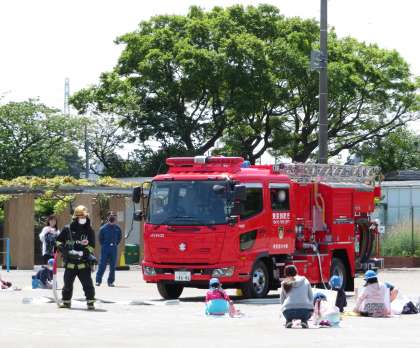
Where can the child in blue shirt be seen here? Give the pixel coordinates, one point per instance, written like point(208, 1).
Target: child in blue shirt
point(336, 284)
point(43, 278)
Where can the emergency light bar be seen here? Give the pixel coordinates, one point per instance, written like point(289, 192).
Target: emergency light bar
point(200, 161)
point(327, 172)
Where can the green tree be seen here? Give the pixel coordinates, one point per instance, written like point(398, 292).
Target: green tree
point(105, 138)
point(371, 93)
point(398, 150)
point(37, 140)
point(242, 74)
point(178, 77)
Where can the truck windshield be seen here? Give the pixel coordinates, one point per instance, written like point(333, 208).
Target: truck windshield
point(187, 203)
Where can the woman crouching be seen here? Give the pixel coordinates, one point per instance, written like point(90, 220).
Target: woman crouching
point(296, 298)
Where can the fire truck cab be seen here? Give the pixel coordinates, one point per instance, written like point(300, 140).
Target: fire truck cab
point(221, 217)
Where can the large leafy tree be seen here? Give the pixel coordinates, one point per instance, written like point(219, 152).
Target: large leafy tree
point(371, 93)
point(242, 74)
point(398, 150)
point(37, 140)
point(181, 79)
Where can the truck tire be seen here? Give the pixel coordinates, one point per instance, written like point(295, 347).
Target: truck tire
point(169, 291)
point(258, 285)
point(366, 242)
point(340, 269)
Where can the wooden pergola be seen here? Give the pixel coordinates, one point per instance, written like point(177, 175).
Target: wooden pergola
point(20, 215)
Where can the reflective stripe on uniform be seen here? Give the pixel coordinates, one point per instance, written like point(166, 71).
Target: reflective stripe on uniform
point(75, 266)
point(90, 249)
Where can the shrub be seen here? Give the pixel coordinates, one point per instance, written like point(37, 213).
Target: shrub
point(398, 241)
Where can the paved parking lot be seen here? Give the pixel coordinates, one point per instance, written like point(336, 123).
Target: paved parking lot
point(27, 321)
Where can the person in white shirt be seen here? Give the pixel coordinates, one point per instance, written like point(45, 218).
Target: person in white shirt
point(373, 298)
point(48, 236)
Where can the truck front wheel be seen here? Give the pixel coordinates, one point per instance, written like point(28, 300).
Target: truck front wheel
point(170, 291)
point(258, 285)
point(338, 268)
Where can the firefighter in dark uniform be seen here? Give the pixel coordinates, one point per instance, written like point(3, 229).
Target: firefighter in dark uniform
point(76, 242)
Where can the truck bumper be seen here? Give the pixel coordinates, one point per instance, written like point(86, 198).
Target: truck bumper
point(228, 273)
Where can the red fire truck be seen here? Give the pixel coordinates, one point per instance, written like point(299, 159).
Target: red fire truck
point(221, 217)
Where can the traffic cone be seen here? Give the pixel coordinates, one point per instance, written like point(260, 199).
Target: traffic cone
point(123, 266)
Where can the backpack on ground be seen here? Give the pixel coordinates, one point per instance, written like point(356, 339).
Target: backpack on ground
point(409, 308)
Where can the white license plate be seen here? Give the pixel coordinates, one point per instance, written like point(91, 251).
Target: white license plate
point(182, 276)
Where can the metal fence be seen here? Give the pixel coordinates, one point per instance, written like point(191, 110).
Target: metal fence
point(399, 212)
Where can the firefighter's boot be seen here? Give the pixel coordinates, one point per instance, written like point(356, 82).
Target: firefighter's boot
point(91, 305)
point(65, 304)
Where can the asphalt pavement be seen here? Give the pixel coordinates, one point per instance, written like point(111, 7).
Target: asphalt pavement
point(132, 315)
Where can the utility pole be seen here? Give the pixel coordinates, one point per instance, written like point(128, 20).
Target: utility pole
point(66, 109)
point(323, 87)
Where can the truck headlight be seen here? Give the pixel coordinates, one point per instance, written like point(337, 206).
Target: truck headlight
point(150, 271)
point(223, 272)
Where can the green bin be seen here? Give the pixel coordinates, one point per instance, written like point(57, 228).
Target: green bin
point(131, 254)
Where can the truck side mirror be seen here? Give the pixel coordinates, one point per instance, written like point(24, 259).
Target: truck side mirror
point(233, 220)
point(138, 215)
point(137, 192)
point(219, 189)
point(239, 193)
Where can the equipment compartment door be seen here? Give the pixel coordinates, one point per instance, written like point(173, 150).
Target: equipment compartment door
point(282, 241)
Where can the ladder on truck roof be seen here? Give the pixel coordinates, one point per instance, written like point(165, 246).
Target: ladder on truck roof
point(306, 172)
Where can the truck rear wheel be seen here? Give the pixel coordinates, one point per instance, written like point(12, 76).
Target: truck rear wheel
point(339, 268)
point(258, 285)
point(170, 291)
point(365, 240)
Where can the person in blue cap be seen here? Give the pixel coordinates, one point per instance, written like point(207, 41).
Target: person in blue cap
point(393, 291)
point(319, 300)
point(400, 304)
point(217, 300)
point(43, 278)
point(336, 284)
point(325, 315)
point(373, 297)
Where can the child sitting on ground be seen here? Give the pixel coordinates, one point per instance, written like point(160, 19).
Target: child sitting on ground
point(373, 298)
point(43, 278)
point(217, 300)
point(336, 283)
point(400, 304)
point(325, 315)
